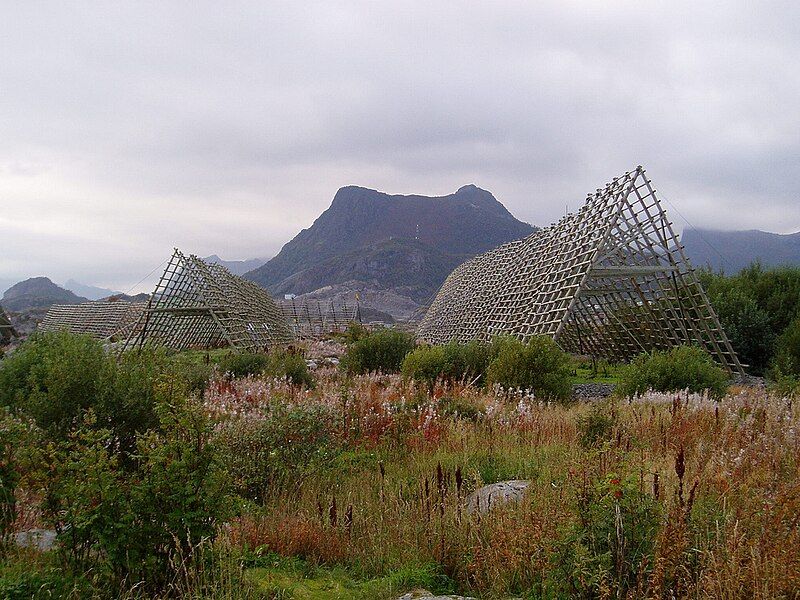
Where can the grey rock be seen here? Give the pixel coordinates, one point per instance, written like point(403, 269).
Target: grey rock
point(483, 499)
point(41, 539)
point(586, 391)
point(749, 381)
point(426, 595)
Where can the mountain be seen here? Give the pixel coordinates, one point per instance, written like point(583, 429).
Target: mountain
point(732, 251)
point(37, 292)
point(126, 298)
point(404, 244)
point(237, 267)
point(88, 291)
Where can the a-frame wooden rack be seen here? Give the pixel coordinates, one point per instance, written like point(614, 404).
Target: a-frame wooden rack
point(201, 305)
point(610, 280)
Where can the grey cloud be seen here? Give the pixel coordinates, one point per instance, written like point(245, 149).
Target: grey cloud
point(126, 129)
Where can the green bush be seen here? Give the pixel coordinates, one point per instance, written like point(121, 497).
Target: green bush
point(243, 364)
point(787, 356)
point(382, 351)
point(611, 541)
point(451, 362)
point(597, 427)
point(785, 371)
point(142, 521)
point(284, 445)
point(291, 366)
point(12, 435)
point(354, 332)
point(681, 368)
point(196, 375)
point(755, 307)
point(539, 366)
point(425, 364)
point(54, 378)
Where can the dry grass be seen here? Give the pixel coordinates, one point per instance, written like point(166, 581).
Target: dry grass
point(723, 478)
point(720, 479)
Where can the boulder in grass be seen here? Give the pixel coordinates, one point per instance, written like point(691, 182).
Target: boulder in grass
point(484, 499)
point(40, 539)
point(426, 595)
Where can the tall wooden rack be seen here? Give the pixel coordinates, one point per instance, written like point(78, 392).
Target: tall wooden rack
point(610, 280)
point(201, 305)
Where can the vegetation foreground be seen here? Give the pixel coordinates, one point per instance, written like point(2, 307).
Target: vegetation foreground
point(166, 477)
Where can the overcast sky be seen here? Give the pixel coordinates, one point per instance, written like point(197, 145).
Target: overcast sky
point(130, 128)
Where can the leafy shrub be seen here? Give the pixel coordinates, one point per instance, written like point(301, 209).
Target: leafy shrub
point(755, 306)
point(283, 445)
point(538, 365)
point(196, 375)
point(749, 328)
point(681, 368)
point(451, 362)
point(612, 540)
point(179, 493)
point(425, 364)
point(354, 332)
point(54, 378)
point(139, 522)
point(12, 435)
point(291, 366)
point(785, 371)
point(786, 386)
point(382, 351)
point(597, 426)
point(787, 358)
point(242, 364)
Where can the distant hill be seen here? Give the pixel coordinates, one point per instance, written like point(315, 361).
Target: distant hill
point(37, 292)
point(88, 291)
point(405, 244)
point(126, 298)
point(237, 267)
point(732, 251)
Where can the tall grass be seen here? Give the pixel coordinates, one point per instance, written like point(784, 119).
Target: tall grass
point(700, 497)
point(669, 495)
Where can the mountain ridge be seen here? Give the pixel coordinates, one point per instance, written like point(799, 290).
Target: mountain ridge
point(237, 267)
point(91, 292)
point(37, 292)
point(407, 243)
point(732, 251)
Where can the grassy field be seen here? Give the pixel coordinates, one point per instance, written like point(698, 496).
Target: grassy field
point(357, 489)
point(665, 493)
